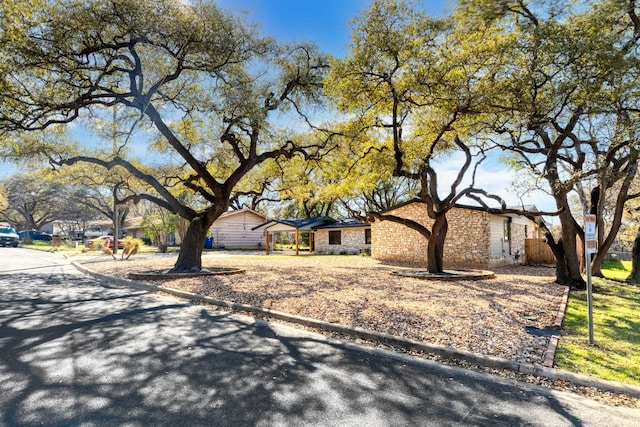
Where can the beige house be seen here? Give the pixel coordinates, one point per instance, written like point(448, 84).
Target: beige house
point(323, 235)
point(475, 238)
point(297, 231)
point(236, 229)
point(343, 237)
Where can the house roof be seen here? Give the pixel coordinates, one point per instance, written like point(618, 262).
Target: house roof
point(134, 222)
point(297, 224)
point(495, 211)
point(345, 223)
point(239, 211)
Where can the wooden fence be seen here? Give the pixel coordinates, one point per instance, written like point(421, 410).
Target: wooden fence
point(538, 252)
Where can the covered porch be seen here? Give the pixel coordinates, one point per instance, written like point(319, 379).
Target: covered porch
point(297, 227)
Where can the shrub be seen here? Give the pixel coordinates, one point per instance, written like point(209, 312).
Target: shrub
point(131, 246)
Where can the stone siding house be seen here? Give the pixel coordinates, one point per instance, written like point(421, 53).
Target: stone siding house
point(343, 237)
point(298, 231)
point(475, 238)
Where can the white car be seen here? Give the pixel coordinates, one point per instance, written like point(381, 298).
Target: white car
point(93, 232)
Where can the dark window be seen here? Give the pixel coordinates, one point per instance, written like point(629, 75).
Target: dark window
point(507, 233)
point(367, 236)
point(507, 229)
point(335, 237)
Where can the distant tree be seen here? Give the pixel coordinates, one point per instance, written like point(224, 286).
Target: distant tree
point(632, 234)
point(4, 201)
point(101, 193)
point(158, 223)
point(387, 194)
point(33, 200)
point(202, 81)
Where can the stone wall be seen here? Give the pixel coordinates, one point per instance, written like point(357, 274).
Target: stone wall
point(518, 237)
point(352, 241)
point(467, 243)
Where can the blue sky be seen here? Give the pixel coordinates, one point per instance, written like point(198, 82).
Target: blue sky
point(325, 22)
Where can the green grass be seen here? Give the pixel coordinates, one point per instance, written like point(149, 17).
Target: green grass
point(616, 270)
point(71, 247)
point(616, 324)
point(46, 245)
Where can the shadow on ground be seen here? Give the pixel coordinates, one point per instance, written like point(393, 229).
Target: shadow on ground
point(73, 352)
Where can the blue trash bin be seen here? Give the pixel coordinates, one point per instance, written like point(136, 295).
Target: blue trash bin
point(208, 243)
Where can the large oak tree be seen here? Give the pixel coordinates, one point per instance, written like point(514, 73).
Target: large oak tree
point(563, 86)
point(33, 200)
point(204, 82)
point(409, 86)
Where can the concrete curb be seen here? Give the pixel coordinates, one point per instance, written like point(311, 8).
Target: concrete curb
point(550, 355)
point(434, 349)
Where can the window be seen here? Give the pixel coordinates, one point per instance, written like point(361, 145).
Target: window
point(507, 234)
point(367, 236)
point(507, 229)
point(335, 237)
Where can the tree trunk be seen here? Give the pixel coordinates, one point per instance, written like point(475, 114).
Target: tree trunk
point(596, 209)
point(190, 257)
point(435, 247)
point(563, 275)
point(596, 264)
point(634, 277)
point(571, 276)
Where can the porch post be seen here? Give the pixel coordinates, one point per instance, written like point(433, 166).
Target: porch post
point(296, 241)
point(267, 241)
point(311, 242)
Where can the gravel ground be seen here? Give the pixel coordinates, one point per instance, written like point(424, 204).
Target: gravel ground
point(487, 317)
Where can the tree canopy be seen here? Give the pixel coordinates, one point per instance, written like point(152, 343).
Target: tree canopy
point(204, 85)
point(563, 102)
point(414, 94)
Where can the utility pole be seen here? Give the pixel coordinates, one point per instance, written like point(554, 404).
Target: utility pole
point(590, 246)
point(116, 220)
point(116, 217)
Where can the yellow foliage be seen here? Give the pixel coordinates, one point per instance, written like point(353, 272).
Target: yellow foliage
point(131, 246)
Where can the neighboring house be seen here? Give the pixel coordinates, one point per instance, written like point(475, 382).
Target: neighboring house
point(132, 227)
point(343, 237)
point(323, 235)
point(299, 228)
point(237, 229)
point(475, 238)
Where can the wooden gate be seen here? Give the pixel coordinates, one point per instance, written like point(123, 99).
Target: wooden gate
point(538, 252)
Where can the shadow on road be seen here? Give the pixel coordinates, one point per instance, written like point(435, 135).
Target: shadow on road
point(73, 352)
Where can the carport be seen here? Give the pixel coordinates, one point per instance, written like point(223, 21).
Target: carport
point(295, 226)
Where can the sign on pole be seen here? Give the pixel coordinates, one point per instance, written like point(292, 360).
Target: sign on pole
point(590, 239)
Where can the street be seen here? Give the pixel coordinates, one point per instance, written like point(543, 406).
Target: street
point(77, 352)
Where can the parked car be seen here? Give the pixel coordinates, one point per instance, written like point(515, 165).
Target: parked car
point(75, 235)
point(93, 232)
point(105, 241)
point(8, 236)
point(34, 235)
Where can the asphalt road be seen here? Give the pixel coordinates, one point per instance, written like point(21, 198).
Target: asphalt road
point(76, 352)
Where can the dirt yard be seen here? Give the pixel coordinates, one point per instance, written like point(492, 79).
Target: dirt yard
point(487, 317)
